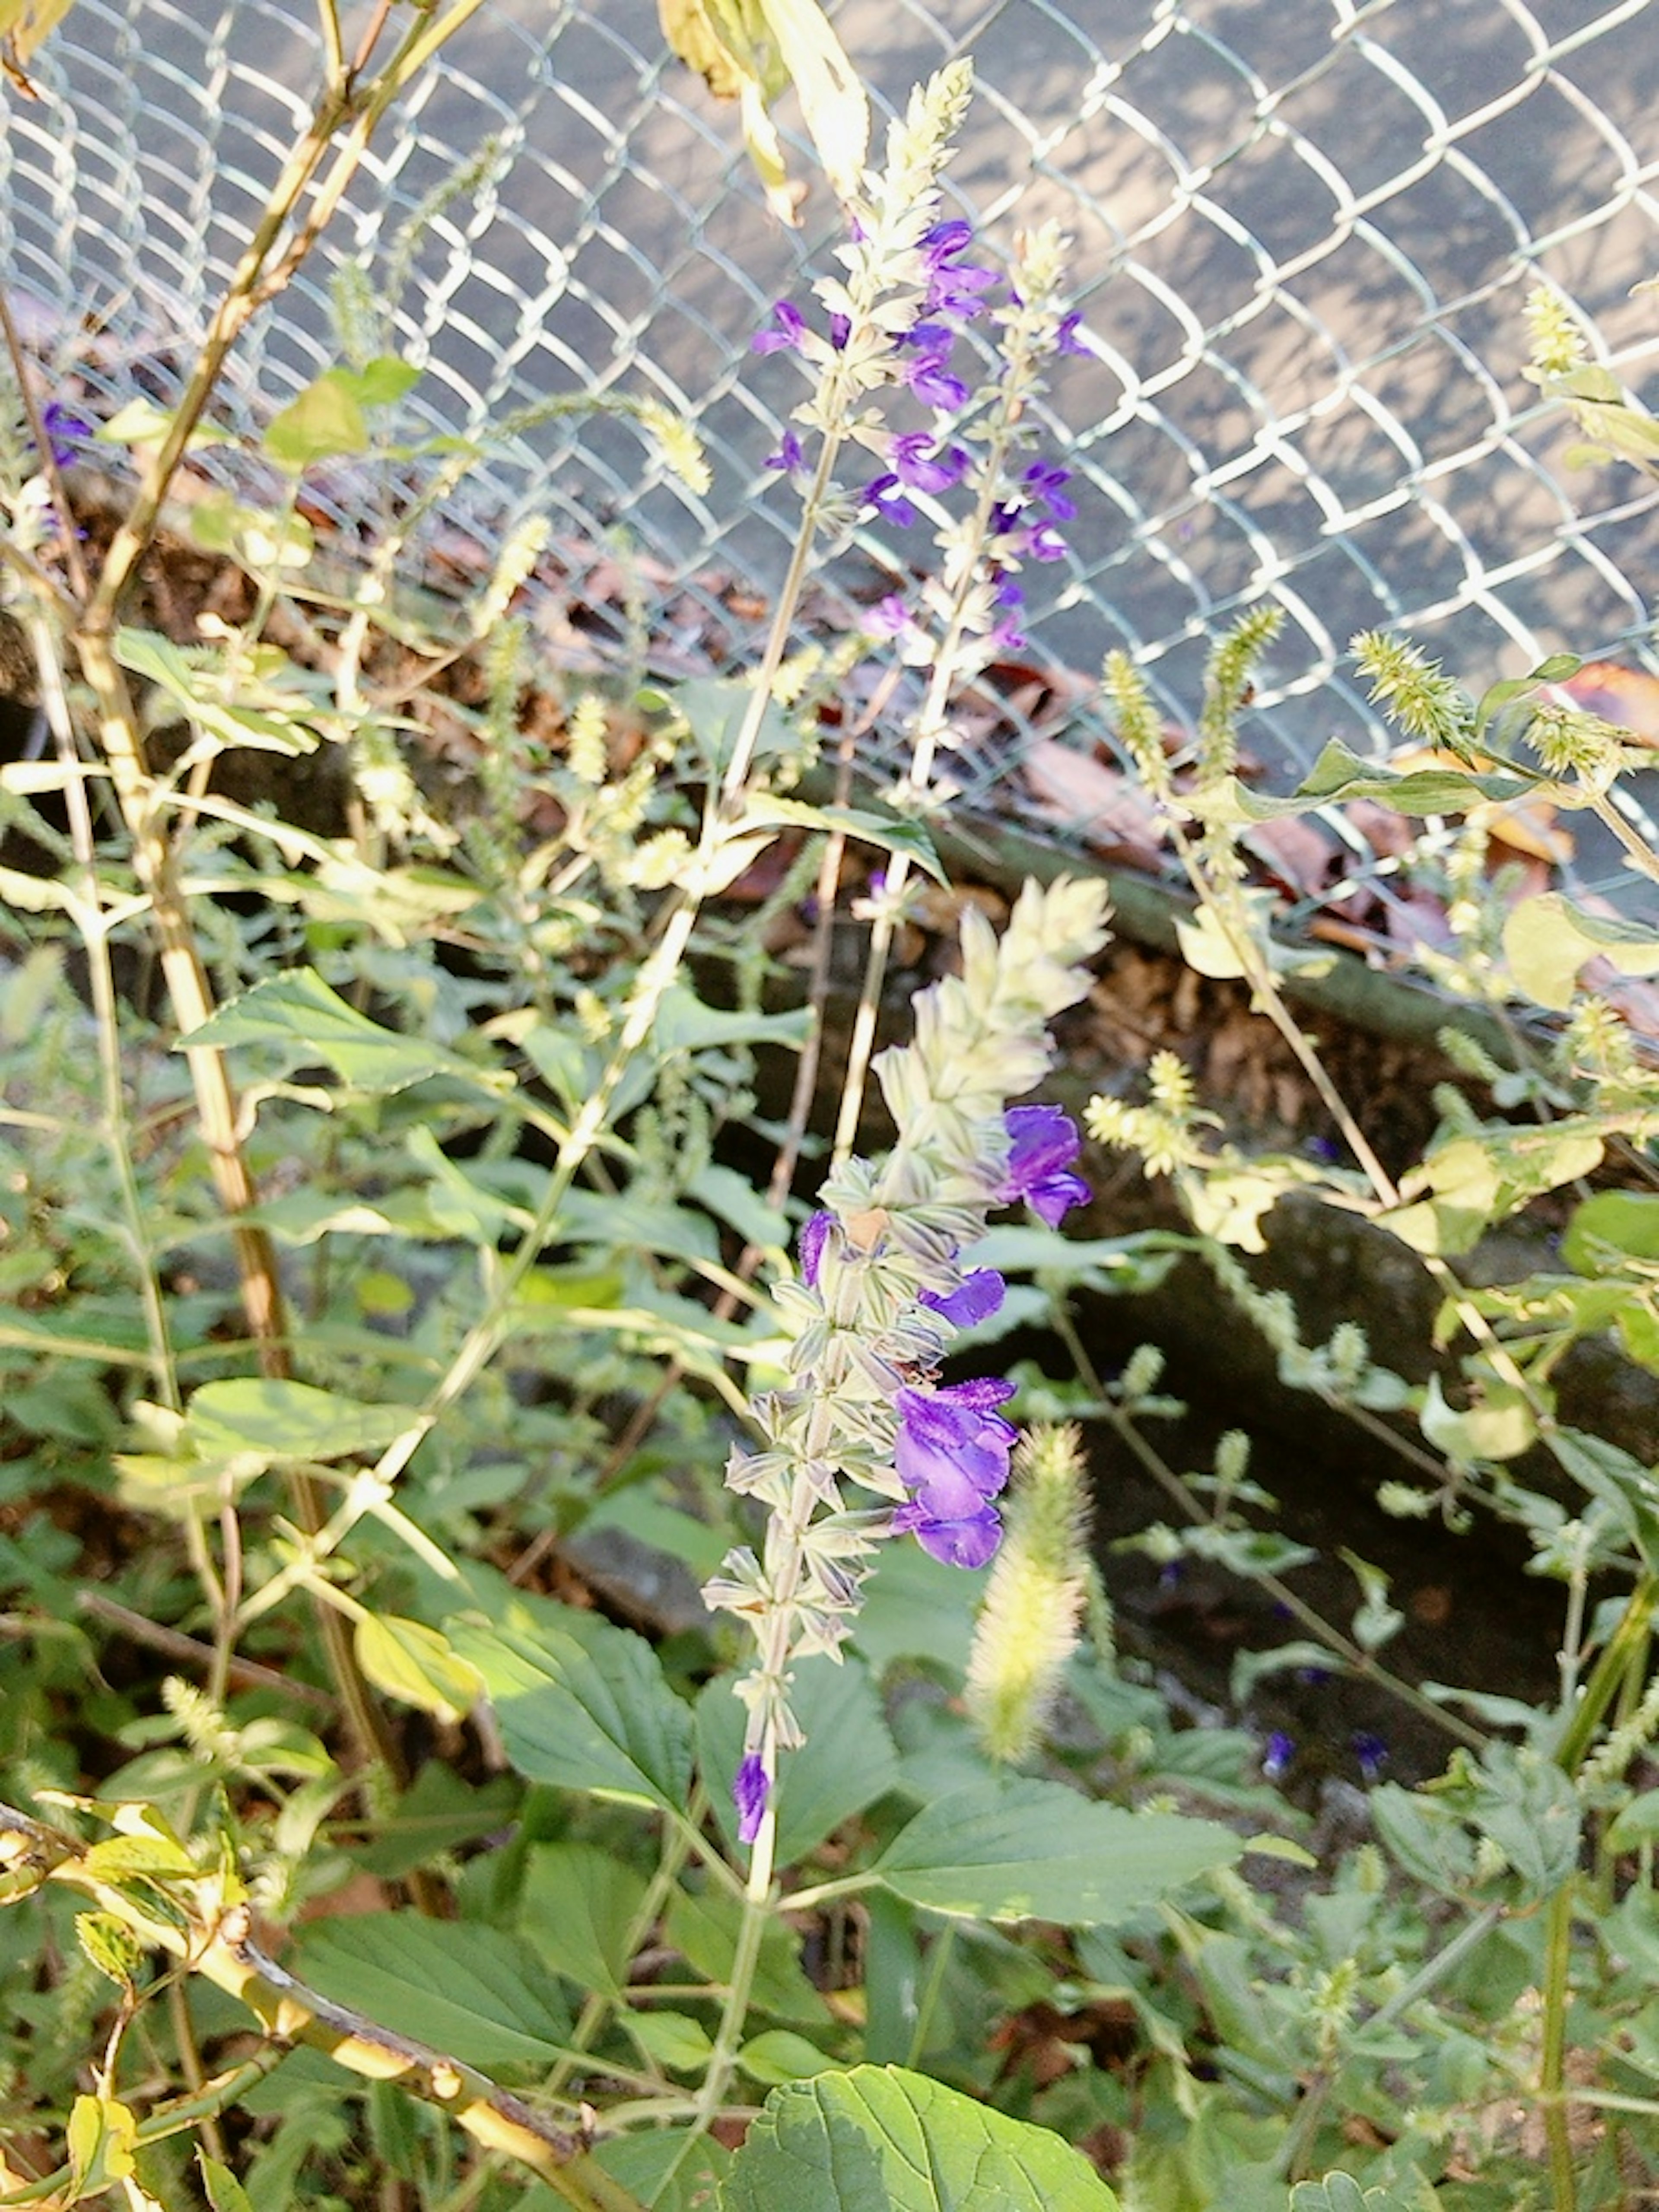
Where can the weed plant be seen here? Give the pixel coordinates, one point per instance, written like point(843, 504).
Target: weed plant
point(379, 1234)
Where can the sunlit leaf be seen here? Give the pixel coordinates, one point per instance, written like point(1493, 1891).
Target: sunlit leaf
point(277, 1420)
point(464, 1988)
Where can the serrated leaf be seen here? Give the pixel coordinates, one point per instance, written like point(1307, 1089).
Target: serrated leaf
point(705, 1928)
point(847, 1761)
point(418, 1664)
point(576, 1907)
point(881, 2139)
point(298, 1011)
point(463, 1988)
point(1547, 939)
point(274, 1421)
point(583, 1706)
point(1036, 1851)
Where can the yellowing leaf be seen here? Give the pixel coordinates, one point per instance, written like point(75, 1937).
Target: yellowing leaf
point(408, 1660)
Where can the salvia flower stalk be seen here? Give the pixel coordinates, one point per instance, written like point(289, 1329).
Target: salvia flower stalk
point(864, 1443)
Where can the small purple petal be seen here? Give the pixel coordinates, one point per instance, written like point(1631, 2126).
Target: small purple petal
point(792, 328)
point(1045, 543)
point(916, 464)
point(1042, 1142)
point(790, 456)
point(970, 1541)
point(749, 1792)
point(889, 617)
point(841, 329)
point(944, 240)
point(1371, 1753)
point(1277, 1754)
point(1067, 341)
point(933, 383)
point(66, 432)
point(976, 1299)
point(814, 1235)
point(886, 495)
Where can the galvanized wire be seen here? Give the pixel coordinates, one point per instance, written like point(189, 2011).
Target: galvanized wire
point(1302, 239)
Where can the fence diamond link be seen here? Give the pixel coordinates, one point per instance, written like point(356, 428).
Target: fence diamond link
point(1304, 236)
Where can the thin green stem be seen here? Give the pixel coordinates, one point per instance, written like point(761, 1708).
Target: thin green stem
point(1551, 2067)
point(938, 1961)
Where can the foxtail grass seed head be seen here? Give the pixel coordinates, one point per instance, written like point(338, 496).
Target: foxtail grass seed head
point(864, 1442)
point(1029, 1623)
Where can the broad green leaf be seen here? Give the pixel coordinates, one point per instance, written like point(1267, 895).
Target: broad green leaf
point(1635, 1823)
point(298, 1011)
point(1547, 939)
point(277, 724)
point(1500, 1425)
point(1340, 773)
point(100, 2138)
point(881, 2139)
point(327, 419)
point(1610, 1227)
point(847, 1761)
point(705, 1928)
point(1470, 1183)
point(409, 1661)
point(576, 1907)
point(684, 1024)
point(463, 1988)
point(141, 422)
point(582, 1705)
point(1036, 1850)
point(1341, 2192)
point(889, 832)
point(671, 2169)
point(279, 1420)
point(778, 2056)
point(916, 1608)
point(439, 1812)
point(1620, 1481)
point(672, 2039)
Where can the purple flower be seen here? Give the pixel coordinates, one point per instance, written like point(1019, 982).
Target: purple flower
point(1008, 636)
point(930, 378)
point(889, 617)
point(941, 244)
point(1042, 1142)
point(792, 329)
point(916, 464)
point(66, 432)
point(1067, 341)
point(1371, 1753)
point(1045, 542)
point(841, 329)
point(951, 1455)
point(789, 457)
point(886, 495)
point(1044, 480)
point(976, 1299)
point(814, 1235)
point(1276, 1755)
point(748, 1794)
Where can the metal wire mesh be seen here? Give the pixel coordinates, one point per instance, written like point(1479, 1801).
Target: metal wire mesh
point(1304, 236)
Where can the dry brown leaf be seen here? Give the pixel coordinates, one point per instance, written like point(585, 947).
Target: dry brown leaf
point(1098, 802)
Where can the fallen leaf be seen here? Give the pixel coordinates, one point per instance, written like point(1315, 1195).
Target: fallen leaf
point(1099, 804)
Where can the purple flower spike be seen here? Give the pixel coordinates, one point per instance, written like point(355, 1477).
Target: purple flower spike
point(1042, 1142)
point(66, 432)
point(976, 1299)
point(790, 457)
point(791, 329)
point(814, 1235)
point(748, 1794)
point(952, 1455)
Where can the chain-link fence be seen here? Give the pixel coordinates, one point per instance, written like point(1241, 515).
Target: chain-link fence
point(1303, 237)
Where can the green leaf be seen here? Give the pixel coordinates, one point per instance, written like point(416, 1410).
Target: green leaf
point(224, 2192)
point(439, 1812)
point(577, 1907)
point(1340, 773)
point(1547, 939)
point(1620, 1481)
point(1036, 1851)
point(298, 1009)
point(778, 2056)
point(847, 1761)
point(705, 1928)
point(672, 2039)
point(461, 1987)
point(277, 726)
point(409, 1661)
point(890, 832)
point(671, 2169)
point(277, 1420)
point(881, 2139)
point(1500, 1425)
point(326, 420)
point(1610, 1227)
point(582, 1705)
point(832, 99)
point(1341, 2192)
